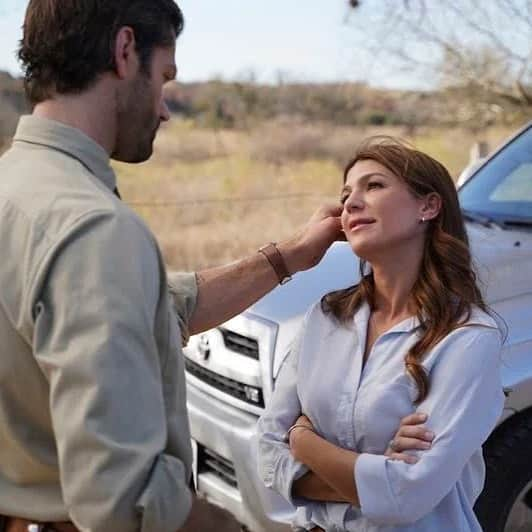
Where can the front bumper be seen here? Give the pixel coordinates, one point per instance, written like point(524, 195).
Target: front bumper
point(228, 431)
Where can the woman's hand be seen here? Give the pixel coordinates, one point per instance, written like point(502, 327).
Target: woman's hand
point(411, 435)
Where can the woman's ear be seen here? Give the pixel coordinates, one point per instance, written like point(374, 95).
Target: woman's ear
point(431, 206)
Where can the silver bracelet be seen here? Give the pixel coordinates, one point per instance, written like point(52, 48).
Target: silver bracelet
point(297, 426)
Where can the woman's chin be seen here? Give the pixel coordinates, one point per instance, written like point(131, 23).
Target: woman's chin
point(363, 250)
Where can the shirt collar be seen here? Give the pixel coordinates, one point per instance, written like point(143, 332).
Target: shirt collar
point(58, 136)
point(361, 319)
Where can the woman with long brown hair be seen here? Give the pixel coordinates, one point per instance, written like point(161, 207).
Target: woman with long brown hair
point(414, 335)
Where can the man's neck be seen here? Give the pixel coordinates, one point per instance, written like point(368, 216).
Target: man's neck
point(91, 112)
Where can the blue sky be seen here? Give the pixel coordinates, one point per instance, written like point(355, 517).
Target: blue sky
point(303, 41)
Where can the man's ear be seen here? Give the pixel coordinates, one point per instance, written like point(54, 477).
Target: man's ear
point(431, 206)
point(125, 53)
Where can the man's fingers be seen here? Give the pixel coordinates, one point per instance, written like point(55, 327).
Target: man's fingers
point(327, 210)
point(325, 224)
point(332, 209)
point(335, 210)
point(419, 432)
point(414, 419)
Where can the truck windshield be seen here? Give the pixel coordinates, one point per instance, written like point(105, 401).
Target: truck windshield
point(501, 190)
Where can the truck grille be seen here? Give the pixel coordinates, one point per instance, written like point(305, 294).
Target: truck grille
point(211, 462)
point(243, 345)
point(249, 394)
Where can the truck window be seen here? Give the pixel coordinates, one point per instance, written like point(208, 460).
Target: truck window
point(502, 188)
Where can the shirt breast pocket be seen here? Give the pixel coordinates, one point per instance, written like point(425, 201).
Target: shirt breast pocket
point(379, 410)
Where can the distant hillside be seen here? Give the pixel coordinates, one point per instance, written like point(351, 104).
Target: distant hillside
point(244, 105)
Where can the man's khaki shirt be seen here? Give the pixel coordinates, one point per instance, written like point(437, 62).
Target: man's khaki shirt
point(93, 421)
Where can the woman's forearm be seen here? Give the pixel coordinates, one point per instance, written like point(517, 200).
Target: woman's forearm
point(312, 487)
point(334, 465)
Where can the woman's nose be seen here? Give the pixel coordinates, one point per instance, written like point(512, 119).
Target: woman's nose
point(353, 202)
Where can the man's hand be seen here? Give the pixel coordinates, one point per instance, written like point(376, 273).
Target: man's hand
point(306, 248)
point(225, 291)
point(411, 435)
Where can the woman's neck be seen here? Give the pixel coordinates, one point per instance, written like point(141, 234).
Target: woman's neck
point(394, 279)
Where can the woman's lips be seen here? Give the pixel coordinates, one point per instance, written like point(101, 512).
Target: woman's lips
point(359, 223)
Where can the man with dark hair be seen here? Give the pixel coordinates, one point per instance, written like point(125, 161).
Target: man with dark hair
point(93, 423)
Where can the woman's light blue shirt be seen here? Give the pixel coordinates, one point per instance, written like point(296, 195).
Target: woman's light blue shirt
point(360, 409)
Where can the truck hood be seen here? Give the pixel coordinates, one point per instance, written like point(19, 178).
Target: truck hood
point(502, 259)
point(339, 268)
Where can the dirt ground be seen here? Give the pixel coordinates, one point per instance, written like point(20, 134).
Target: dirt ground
point(207, 517)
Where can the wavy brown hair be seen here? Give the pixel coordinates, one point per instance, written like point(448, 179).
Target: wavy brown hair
point(446, 288)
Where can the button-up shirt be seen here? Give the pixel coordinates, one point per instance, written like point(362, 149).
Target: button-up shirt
point(93, 422)
point(359, 407)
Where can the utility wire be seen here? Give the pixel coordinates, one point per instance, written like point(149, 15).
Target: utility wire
point(201, 201)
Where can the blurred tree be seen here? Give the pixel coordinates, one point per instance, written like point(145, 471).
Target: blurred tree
point(485, 46)
point(12, 105)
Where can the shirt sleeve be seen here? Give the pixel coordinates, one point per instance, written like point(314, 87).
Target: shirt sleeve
point(183, 288)
point(277, 467)
point(464, 402)
point(95, 305)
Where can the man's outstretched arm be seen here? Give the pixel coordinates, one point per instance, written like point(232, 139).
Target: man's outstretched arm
point(225, 291)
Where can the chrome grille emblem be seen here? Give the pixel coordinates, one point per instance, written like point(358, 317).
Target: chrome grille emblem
point(204, 347)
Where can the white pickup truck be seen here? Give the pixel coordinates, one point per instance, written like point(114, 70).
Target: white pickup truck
point(231, 370)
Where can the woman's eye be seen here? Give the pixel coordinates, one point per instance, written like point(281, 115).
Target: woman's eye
point(343, 198)
point(374, 184)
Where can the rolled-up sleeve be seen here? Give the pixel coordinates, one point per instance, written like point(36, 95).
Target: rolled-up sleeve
point(463, 405)
point(277, 467)
point(94, 305)
point(183, 288)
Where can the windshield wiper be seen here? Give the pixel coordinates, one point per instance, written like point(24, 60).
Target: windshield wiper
point(517, 223)
point(482, 219)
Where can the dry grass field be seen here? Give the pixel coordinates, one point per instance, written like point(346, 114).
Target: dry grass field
point(213, 195)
